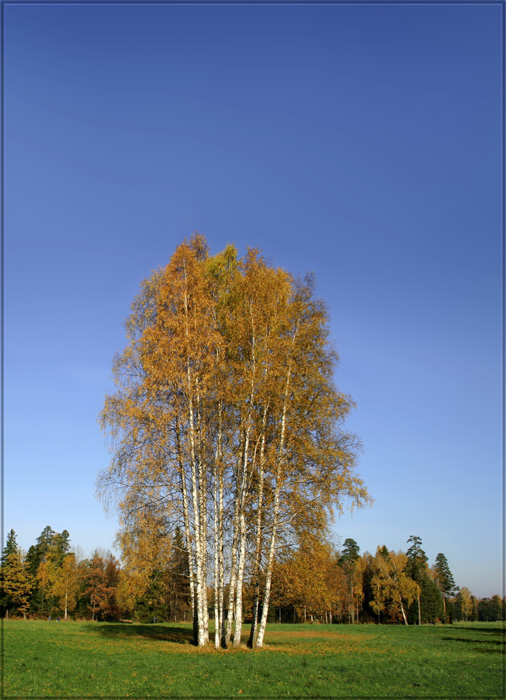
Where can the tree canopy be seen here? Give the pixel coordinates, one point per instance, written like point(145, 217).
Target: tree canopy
point(226, 423)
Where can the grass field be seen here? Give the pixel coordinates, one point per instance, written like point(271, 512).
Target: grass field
point(85, 659)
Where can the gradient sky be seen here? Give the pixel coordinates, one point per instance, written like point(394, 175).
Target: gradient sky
point(361, 142)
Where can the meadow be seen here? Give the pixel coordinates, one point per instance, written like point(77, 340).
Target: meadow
point(94, 659)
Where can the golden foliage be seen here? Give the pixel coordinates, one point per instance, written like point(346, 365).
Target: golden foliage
point(226, 415)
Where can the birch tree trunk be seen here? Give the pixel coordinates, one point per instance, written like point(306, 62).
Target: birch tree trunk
point(268, 574)
point(66, 595)
point(277, 490)
point(233, 575)
point(402, 611)
point(187, 533)
point(258, 547)
point(218, 536)
point(240, 581)
point(241, 556)
point(208, 330)
point(217, 611)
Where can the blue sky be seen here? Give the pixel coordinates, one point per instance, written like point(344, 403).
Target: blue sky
point(361, 142)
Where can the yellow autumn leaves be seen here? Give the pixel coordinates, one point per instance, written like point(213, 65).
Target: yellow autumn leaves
point(226, 423)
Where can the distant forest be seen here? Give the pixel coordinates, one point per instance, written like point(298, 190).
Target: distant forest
point(313, 583)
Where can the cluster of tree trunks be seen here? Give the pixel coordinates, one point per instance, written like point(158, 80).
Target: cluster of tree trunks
point(227, 424)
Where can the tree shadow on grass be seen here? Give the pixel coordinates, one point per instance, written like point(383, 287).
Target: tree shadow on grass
point(486, 637)
point(499, 631)
point(162, 633)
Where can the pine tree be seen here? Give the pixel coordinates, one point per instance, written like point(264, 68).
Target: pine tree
point(348, 562)
point(444, 579)
point(417, 569)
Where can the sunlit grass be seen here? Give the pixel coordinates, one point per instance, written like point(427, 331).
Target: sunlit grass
point(84, 659)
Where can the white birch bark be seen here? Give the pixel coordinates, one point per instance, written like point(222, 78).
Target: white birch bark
point(217, 612)
point(200, 553)
point(268, 574)
point(66, 595)
point(221, 560)
point(277, 489)
point(402, 611)
point(240, 580)
point(233, 575)
point(187, 531)
point(202, 498)
point(218, 535)
point(241, 544)
point(258, 539)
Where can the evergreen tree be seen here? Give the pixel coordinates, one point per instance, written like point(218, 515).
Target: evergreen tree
point(416, 568)
point(44, 560)
point(428, 606)
point(474, 608)
point(11, 546)
point(431, 601)
point(417, 559)
point(350, 553)
point(444, 580)
point(368, 592)
point(37, 554)
point(490, 609)
point(44, 543)
point(16, 584)
point(348, 562)
point(154, 604)
point(60, 546)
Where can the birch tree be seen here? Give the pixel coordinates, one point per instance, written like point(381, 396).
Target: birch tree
point(65, 585)
point(226, 423)
point(393, 589)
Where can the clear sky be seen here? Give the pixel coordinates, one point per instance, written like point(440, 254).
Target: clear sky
point(361, 142)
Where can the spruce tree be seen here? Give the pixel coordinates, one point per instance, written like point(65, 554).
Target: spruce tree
point(11, 547)
point(444, 579)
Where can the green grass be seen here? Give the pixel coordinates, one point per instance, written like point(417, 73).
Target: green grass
point(85, 659)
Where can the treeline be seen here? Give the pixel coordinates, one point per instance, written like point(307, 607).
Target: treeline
point(313, 583)
point(50, 581)
point(319, 583)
